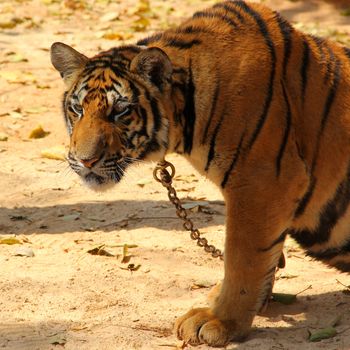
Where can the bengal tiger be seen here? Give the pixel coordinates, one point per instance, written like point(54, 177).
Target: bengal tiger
point(257, 107)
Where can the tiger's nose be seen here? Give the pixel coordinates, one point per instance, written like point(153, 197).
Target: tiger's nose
point(89, 163)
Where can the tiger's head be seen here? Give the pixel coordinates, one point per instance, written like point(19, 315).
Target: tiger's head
point(115, 107)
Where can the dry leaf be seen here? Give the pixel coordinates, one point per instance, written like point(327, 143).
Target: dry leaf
point(186, 178)
point(109, 16)
point(78, 241)
point(16, 115)
point(38, 133)
point(110, 35)
point(71, 217)
point(10, 241)
point(140, 24)
point(143, 182)
point(10, 23)
point(189, 189)
point(18, 77)
point(126, 258)
point(100, 251)
point(56, 153)
point(287, 276)
point(131, 267)
point(196, 206)
point(36, 110)
point(19, 218)
point(74, 4)
point(284, 298)
point(14, 57)
point(201, 284)
point(41, 86)
point(123, 245)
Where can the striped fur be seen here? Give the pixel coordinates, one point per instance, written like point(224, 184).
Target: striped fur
point(258, 107)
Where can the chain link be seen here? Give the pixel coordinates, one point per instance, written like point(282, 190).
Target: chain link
point(165, 177)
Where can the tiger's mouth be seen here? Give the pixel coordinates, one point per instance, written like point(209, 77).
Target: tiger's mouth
point(98, 182)
point(103, 173)
point(101, 176)
point(95, 178)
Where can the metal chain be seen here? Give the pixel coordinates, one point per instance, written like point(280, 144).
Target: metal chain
point(162, 175)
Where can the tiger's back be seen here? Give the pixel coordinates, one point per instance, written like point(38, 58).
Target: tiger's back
point(258, 107)
point(299, 84)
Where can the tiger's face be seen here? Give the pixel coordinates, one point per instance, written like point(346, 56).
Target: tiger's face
point(115, 109)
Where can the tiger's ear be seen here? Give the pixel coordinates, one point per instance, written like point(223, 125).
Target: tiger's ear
point(153, 64)
point(67, 60)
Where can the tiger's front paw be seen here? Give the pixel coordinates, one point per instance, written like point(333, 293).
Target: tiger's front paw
point(201, 326)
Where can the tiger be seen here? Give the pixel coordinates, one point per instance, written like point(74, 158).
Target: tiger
point(256, 106)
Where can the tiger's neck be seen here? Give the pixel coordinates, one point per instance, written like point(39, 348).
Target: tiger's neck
point(192, 119)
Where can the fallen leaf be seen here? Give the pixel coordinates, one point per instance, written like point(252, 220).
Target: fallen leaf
point(287, 276)
point(140, 24)
point(74, 4)
point(109, 16)
point(78, 241)
point(201, 284)
point(38, 133)
point(18, 77)
point(131, 267)
point(36, 110)
point(143, 182)
point(123, 245)
point(284, 298)
point(196, 206)
point(186, 178)
point(126, 258)
point(56, 153)
point(189, 189)
point(100, 251)
point(111, 35)
point(10, 241)
point(16, 114)
point(42, 86)
point(49, 2)
point(193, 204)
point(19, 218)
point(16, 57)
point(11, 23)
point(24, 251)
point(71, 217)
point(324, 333)
point(25, 239)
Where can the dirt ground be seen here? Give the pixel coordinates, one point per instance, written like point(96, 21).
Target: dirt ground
point(64, 297)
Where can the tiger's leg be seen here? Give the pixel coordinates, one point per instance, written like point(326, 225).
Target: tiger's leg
point(215, 291)
point(254, 240)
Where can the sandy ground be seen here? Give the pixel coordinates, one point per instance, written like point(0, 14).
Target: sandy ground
point(65, 297)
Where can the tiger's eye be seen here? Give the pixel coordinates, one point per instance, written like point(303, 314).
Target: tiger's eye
point(120, 108)
point(116, 114)
point(78, 109)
